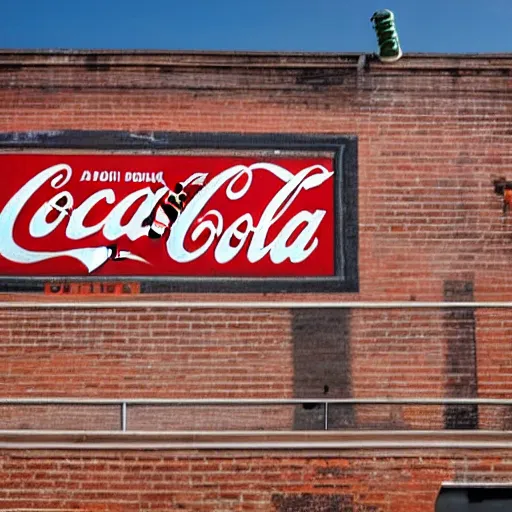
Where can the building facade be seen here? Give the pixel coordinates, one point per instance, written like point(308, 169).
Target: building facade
point(421, 228)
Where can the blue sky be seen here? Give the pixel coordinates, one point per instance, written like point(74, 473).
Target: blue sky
point(453, 26)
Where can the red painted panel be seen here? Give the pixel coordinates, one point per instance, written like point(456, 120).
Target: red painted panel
point(123, 215)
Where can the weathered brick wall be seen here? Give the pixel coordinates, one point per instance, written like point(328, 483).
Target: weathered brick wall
point(352, 481)
point(229, 353)
point(432, 134)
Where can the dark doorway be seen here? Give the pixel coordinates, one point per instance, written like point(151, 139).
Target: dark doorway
point(475, 498)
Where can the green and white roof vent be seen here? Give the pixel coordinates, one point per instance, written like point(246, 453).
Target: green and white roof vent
point(385, 28)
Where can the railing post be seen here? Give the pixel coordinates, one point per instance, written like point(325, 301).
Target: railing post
point(124, 419)
point(326, 415)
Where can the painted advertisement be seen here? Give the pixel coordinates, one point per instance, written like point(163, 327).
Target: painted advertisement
point(91, 215)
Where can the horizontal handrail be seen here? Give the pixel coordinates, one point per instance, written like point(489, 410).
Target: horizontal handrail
point(254, 401)
point(325, 403)
point(118, 304)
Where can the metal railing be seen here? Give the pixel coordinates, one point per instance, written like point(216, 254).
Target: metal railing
point(125, 404)
point(165, 304)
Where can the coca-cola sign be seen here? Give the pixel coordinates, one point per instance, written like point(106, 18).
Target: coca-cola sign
point(175, 217)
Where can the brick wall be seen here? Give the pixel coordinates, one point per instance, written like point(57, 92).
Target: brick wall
point(432, 132)
point(198, 353)
point(239, 481)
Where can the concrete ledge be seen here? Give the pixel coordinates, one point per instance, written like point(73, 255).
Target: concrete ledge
point(246, 59)
point(103, 440)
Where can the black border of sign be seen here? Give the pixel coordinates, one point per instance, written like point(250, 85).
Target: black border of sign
point(344, 149)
